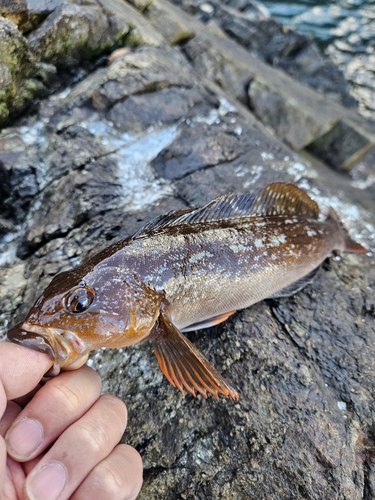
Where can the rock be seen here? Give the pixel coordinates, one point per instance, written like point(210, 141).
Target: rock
point(19, 183)
point(171, 27)
point(304, 365)
point(61, 35)
point(73, 33)
point(250, 25)
point(128, 75)
point(196, 147)
point(297, 114)
point(141, 4)
point(139, 112)
point(17, 85)
point(27, 14)
point(342, 146)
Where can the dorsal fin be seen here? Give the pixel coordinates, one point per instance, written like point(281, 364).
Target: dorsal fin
point(223, 207)
point(282, 198)
point(277, 198)
point(163, 220)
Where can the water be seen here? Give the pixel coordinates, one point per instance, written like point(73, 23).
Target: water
point(345, 30)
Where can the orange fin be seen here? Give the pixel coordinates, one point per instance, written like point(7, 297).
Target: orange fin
point(215, 320)
point(183, 365)
point(349, 244)
point(283, 198)
point(276, 198)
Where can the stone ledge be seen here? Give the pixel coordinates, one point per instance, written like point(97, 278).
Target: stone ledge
point(296, 113)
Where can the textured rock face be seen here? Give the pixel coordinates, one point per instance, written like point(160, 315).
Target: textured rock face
point(16, 85)
point(145, 135)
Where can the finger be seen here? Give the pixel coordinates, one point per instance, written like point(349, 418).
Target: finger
point(3, 458)
point(23, 400)
point(78, 450)
point(77, 363)
point(12, 477)
point(11, 412)
point(59, 403)
point(117, 477)
point(20, 371)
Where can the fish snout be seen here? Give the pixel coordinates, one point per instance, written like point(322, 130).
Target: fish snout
point(21, 336)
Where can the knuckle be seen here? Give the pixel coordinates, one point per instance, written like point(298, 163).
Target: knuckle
point(62, 392)
point(116, 407)
point(109, 481)
point(95, 435)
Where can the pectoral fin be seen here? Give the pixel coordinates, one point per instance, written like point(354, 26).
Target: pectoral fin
point(183, 364)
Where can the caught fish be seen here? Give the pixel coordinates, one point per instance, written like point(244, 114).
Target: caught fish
point(185, 270)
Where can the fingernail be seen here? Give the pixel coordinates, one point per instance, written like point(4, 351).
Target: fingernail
point(24, 438)
point(46, 483)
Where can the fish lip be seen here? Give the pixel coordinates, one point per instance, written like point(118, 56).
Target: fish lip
point(43, 339)
point(21, 336)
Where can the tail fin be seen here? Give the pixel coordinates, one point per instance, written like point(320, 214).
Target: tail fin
point(349, 244)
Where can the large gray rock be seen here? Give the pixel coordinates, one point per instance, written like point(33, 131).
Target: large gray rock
point(60, 36)
point(297, 114)
point(304, 366)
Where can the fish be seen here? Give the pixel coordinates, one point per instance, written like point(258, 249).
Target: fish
point(185, 270)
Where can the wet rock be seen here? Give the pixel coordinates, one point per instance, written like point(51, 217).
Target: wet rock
point(298, 115)
point(18, 180)
point(297, 125)
point(61, 35)
point(250, 25)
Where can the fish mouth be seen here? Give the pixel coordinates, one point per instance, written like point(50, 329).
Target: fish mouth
point(49, 340)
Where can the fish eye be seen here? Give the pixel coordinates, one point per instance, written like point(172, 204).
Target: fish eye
point(79, 300)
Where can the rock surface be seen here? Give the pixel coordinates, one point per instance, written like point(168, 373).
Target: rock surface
point(145, 135)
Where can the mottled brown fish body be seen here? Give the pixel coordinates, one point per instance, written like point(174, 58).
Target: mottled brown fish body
point(185, 270)
point(237, 265)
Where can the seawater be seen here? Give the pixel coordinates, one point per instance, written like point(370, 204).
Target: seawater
point(345, 31)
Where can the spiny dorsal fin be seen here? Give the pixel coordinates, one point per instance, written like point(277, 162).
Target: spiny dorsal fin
point(223, 207)
point(277, 198)
point(164, 220)
point(282, 198)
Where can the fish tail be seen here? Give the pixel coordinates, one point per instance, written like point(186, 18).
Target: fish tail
point(348, 244)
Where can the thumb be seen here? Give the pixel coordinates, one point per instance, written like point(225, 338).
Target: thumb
point(21, 369)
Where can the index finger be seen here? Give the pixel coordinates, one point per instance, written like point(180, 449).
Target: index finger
point(21, 369)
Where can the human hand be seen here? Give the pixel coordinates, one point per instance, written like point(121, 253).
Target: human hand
point(61, 438)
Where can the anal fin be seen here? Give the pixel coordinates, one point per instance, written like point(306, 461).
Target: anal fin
point(296, 286)
point(215, 320)
point(182, 363)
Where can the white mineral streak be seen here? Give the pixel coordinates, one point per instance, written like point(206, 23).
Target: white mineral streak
point(133, 154)
point(139, 183)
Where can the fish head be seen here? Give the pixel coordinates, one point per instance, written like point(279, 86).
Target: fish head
point(76, 314)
